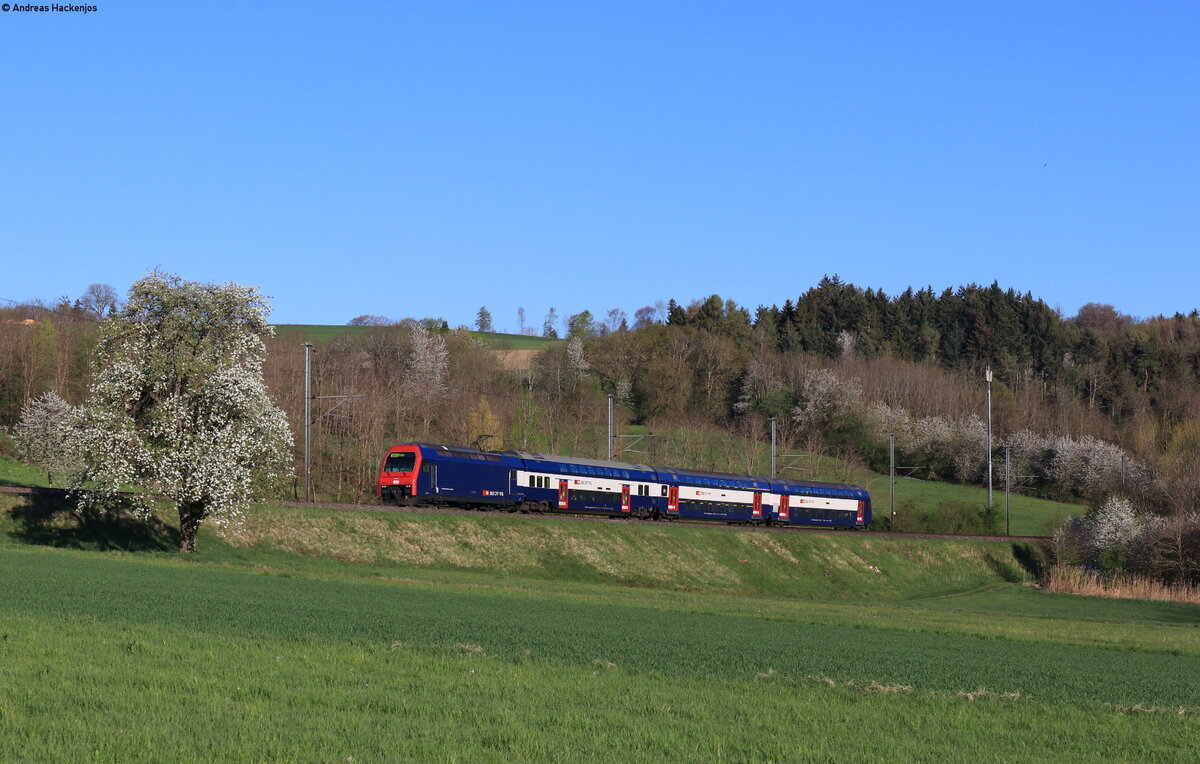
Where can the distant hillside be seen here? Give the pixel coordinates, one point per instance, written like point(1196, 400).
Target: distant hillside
point(325, 333)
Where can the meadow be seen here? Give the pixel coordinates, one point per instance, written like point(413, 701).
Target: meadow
point(399, 636)
point(322, 334)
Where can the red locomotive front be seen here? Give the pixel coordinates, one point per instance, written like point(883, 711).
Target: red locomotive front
point(398, 475)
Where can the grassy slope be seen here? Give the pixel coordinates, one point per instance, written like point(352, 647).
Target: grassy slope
point(321, 334)
point(278, 651)
point(632, 553)
point(16, 474)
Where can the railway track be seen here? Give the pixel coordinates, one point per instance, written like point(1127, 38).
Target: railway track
point(581, 517)
point(712, 525)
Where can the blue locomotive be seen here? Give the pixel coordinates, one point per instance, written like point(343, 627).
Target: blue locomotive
point(423, 473)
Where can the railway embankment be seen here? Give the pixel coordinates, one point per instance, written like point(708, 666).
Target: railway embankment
point(640, 554)
point(629, 553)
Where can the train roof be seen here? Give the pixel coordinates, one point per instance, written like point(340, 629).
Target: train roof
point(819, 484)
point(467, 452)
point(532, 457)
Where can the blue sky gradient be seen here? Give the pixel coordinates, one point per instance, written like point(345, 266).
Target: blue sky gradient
point(426, 158)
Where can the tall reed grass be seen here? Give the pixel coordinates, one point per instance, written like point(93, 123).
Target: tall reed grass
point(1073, 580)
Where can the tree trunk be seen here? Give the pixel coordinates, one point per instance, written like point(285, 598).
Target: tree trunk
point(190, 515)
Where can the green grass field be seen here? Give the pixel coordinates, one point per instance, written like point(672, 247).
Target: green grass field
point(16, 474)
point(314, 635)
point(324, 333)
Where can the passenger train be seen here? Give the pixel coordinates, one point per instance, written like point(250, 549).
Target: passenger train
point(423, 473)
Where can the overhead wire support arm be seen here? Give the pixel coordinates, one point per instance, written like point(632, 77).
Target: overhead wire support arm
point(791, 461)
point(340, 400)
point(636, 439)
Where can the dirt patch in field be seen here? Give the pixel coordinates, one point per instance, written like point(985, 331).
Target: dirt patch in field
point(771, 545)
point(515, 360)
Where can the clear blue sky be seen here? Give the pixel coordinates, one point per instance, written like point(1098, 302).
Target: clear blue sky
point(423, 159)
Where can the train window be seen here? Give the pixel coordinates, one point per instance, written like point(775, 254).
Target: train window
point(401, 461)
point(664, 490)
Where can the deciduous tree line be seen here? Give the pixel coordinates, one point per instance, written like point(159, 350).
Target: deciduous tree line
point(1089, 405)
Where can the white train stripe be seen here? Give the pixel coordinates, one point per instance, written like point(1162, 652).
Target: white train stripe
point(797, 502)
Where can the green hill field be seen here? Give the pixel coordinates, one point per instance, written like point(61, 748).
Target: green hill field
point(324, 333)
point(311, 634)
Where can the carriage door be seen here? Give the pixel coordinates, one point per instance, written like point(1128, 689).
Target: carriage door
point(783, 508)
point(756, 513)
point(625, 498)
point(563, 494)
point(673, 499)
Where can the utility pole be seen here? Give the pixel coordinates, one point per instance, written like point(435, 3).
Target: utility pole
point(988, 376)
point(1007, 489)
point(308, 418)
point(892, 478)
point(308, 494)
point(610, 428)
point(773, 447)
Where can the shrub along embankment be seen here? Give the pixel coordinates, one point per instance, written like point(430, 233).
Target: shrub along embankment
point(628, 553)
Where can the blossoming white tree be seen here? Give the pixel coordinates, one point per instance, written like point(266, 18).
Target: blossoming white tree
point(43, 433)
point(178, 406)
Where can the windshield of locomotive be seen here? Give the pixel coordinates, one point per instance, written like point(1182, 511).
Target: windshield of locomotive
point(401, 462)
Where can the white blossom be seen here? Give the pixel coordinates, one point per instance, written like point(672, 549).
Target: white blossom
point(1093, 468)
point(576, 358)
point(429, 359)
point(178, 406)
point(885, 420)
point(1114, 524)
point(42, 436)
point(825, 396)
